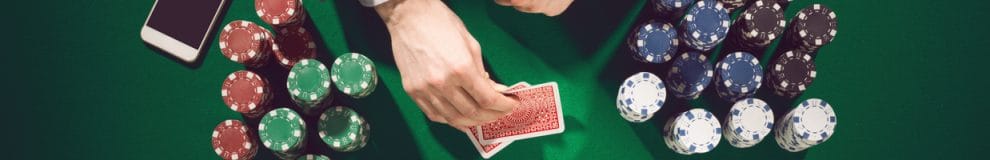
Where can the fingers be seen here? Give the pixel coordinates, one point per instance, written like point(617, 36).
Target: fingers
point(462, 102)
point(558, 7)
point(447, 111)
point(475, 48)
point(487, 97)
point(503, 2)
point(462, 129)
point(497, 86)
point(429, 111)
point(546, 7)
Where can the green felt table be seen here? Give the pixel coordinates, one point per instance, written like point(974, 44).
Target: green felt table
point(906, 78)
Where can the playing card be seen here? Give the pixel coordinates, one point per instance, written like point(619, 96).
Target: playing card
point(489, 150)
point(539, 114)
point(486, 150)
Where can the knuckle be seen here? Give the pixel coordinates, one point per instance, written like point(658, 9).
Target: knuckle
point(486, 101)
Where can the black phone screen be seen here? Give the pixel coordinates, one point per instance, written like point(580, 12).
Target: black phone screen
point(185, 20)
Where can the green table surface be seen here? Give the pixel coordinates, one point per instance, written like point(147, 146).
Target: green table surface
point(906, 79)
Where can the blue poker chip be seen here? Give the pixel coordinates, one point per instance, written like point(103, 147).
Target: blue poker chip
point(655, 42)
point(668, 7)
point(689, 74)
point(705, 25)
point(739, 75)
point(640, 95)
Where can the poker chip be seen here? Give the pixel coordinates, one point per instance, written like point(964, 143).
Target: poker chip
point(294, 44)
point(245, 92)
point(654, 42)
point(732, 4)
point(738, 76)
point(810, 123)
point(705, 25)
point(313, 157)
point(814, 26)
point(309, 84)
point(695, 131)
point(761, 23)
point(283, 131)
point(280, 12)
point(671, 8)
point(244, 42)
point(792, 73)
point(748, 122)
point(343, 129)
point(232, 140)
point(354, 75)
point(641, 95)
point(689, 75)
point(667, 134)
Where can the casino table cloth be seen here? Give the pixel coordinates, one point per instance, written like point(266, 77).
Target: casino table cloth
point(905, 79)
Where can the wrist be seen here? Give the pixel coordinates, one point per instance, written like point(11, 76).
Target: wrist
point(395, 12)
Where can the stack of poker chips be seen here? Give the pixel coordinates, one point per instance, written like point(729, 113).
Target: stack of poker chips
point(756, 27)
point(705, 25)
point(246, 43)
point(246, 92)
point(313, 157)
point(813, 27)
point(283, 131)
point(354, 75)
point(748, 122)
point(671, 9)
point(689, 74)
point(309, 85)
point(640, 96)
point(343, 130)
point(791, 73)
point(280, 13)
point(232, 140)
point(738, 76)
point(653, 42)
point(293, 41)
point(811, 123)
point(731, 5)
point(695, 131)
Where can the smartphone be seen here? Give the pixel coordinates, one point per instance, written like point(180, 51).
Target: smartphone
point(182, 27)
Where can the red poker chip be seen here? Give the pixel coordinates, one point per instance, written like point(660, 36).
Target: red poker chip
point(242, 42)
point(245, 92)
point(294, 44)
point(232, 141)
point(279, 12)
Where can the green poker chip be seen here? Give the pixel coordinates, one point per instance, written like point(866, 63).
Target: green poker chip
point(313, 157)
point(354, 74)
point(282, 130)
point(343, 129)
point(309, 83)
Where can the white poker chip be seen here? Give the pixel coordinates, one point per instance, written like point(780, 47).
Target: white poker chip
point(809, 124)
point(641, 95)
point(748, 122)
point(697, 131)
point(814, 121)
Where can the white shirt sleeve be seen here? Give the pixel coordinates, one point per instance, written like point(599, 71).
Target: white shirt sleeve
point(372, 3)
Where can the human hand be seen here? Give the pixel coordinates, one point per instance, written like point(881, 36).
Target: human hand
point(440, 64)
point(546, 7)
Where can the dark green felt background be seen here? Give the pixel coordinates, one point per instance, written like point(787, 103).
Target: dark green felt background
point(906, 78)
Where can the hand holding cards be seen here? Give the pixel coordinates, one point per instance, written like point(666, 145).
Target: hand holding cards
point(539, 114)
